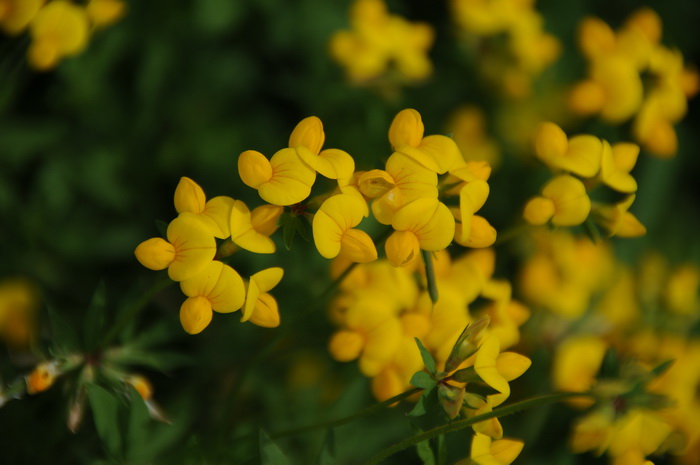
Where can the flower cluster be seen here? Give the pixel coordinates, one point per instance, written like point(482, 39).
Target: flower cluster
point(58, 28)
point(189, 253)
point(564, 200)
point(528, 49)
point(615, 328)
point(382, 44)
point(632, 75)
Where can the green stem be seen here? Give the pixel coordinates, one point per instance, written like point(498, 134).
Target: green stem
point(464, 423)
point(348, 419)
point(510, 234)
point(430, 275)
point(128, 314)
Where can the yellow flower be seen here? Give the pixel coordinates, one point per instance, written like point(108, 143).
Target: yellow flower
point(60, 29)
point(617, 162)
point(581, 155)
point(404, 181)
point(283, 180)
point(102, 13)
point(425, 224)
point(260, 307)
point(251, 231)
point(334, 233)
point(218, 287)
point(308, 137)
point(189, 197)
point(486, 451)
point(189, 248)
point(15, 15)
point(436, 153)
point(564, 202)
point(576, 364)
point(617, 220)
point(18, 306)
point(473, 230)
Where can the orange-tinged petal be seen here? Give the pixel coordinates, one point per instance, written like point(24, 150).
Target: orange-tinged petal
point(195, 314)
point(155, 253)
point(220, 284)
point(244, 235)
point(264, 218)
point(217, 214)
point(189, 196)
point(291, 179)
point(194, 246)
point(308, 133)
point(254, 169)
point(266, 313)
point(406, 129)
point(402, 248)
point(357, 246)
point(443, 150)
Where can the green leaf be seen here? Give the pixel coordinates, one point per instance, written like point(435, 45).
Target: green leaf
point(289, 229)
point(93, 323)
point(64, 336)
point(138, 437)
point(302, 228)
point(442, 450)
point(465, 375)
point(423, 380)
point(327, 454)
point(661, 368)
point(425, 452)
point(428, 359)
point(420, 408)
point(592, 230)
point(270, 454)
point(105, 411)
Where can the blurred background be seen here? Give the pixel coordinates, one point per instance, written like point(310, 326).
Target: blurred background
point(92, 150)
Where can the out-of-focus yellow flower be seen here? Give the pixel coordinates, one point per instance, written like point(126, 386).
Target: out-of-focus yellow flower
point(260, 306)
point(18, 306)
point(218, 287)
point(189, 248)
point(577, 361)
point(425, 224)
point(58, 30)
point(564, 202)
point(616, 164)
point(467, 125)
point(580, 155)
point(681, 293)
point(283, 180)
point(102, 13)
point(334, 233)
point(617, 220)
point(379, 42)
point(215, 213)
point(15, 15)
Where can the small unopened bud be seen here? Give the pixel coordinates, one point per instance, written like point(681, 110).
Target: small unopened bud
point(42, 377)
point(467, 344)
point(450, 398)
point(76, 410)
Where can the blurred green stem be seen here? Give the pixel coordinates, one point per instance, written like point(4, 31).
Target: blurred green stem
point(133, 310)
point(461, 424)
point(348, 419)
point(430, 275)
